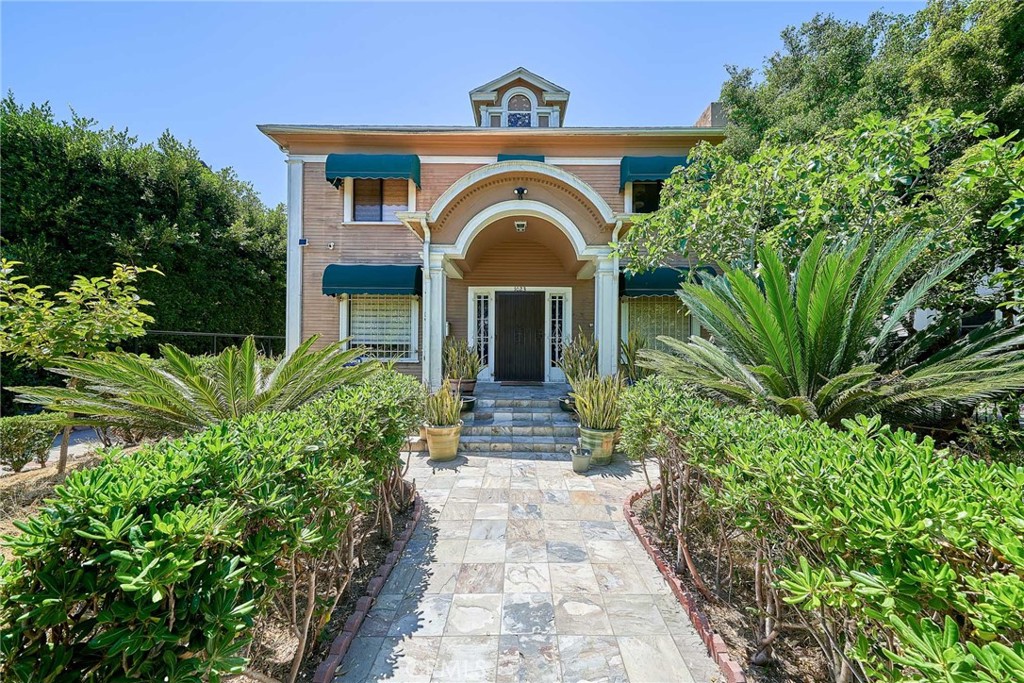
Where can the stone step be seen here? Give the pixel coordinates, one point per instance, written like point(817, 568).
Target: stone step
point(517, 418)
point(533, 404)
point(475, 429)
point(558, 456)
point(489, 444)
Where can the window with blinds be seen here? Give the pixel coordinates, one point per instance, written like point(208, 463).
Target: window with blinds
point(653, 316)
point(384, 325)
point(376, 200)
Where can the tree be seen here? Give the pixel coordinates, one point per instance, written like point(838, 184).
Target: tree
point(829, 341)
point(75, 199)
point(127, 391)
point(948, 178)
point(966, 55)
point(82, 321)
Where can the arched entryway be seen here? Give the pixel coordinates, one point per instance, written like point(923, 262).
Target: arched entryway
point(517, 277)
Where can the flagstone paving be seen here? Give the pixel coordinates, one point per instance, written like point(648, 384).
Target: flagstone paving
point(522, 571)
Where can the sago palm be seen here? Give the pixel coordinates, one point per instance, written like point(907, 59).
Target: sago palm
point(128, 391)
point(828, 340)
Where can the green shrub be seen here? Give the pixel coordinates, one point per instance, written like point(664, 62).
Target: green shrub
point(443, 407)
point(579, 358)
point(597, 401)
point(459, 359)
point(24, 438)
point(903, 562)
point(155, 565)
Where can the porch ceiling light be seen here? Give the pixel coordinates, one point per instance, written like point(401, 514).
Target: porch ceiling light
point(520, 192)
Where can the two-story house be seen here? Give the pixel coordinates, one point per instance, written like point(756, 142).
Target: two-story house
point(498, 233)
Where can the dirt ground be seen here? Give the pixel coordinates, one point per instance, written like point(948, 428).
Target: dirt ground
point(22, 494)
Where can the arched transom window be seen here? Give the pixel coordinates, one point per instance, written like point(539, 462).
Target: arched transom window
point(520, 112)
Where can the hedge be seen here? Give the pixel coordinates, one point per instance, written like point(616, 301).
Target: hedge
point(903, 562)
point(24, 438)
point(156, 564)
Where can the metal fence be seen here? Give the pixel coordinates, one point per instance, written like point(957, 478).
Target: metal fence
point(204, 342)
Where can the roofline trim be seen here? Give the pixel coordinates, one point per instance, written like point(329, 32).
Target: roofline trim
point(270, 129)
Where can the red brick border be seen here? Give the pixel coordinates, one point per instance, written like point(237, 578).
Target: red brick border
point(716, 646)
point(325, 672)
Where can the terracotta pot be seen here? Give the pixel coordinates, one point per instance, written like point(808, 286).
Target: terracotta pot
point(466, 387)
point(443, 442)
point(600, 442)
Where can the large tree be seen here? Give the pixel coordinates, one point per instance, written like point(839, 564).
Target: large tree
point(967, 55)
point(77, 199)
point(947, 178)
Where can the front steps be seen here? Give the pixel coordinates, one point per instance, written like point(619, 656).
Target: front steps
point(519, 423)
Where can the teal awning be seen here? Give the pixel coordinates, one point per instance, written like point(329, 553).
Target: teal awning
point(632, 169)
point(340, 166)
point(521, 157)
point(360, 279)
point(657, 282)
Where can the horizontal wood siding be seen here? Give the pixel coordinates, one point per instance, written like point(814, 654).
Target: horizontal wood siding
point(604, 180)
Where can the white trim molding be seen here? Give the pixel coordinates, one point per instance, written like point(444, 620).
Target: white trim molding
point(520, 166)
point(552, 373)
point(518, 207)
point(293, 251)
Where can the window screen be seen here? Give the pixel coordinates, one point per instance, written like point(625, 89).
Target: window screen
point(652, 316)
point(383, 325)
point(377, 200)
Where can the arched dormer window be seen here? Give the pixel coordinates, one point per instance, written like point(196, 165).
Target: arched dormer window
point(519, 112)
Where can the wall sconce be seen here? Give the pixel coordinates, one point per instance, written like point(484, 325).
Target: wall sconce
point(520, 192)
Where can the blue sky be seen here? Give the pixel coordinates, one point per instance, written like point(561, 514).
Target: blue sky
point(211, 72)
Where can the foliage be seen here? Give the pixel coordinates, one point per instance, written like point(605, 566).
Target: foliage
point(828, 341)
point(902, 562)
point(90, 316)
point(129, 392)
point(965, 55)
point(87, 318)
point(459, 359)
point(189, 542)
point(76, 200)
point(443, 407)
point(579, 358)
point(933, 173)
point(630, 356)
point(996, 432)
point(24, 438)
point(597, 401)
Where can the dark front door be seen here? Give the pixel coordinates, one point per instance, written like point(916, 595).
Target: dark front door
point(519, 336)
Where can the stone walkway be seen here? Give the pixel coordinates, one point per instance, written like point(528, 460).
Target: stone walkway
point(522, 571)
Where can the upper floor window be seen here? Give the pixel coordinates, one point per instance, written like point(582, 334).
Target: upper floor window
point(647, 196)
point(520, 112)
point(377, 200)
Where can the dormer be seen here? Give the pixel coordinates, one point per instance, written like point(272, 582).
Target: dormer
point(519, 99)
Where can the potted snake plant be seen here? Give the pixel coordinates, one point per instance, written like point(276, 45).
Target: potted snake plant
point(460, 365)
point(597, 406)
point(579, 362)
point(442, 423)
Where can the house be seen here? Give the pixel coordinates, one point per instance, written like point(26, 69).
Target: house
point(498, 232)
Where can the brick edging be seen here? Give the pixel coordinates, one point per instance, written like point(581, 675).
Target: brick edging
point(715, 644)
point(326, 671)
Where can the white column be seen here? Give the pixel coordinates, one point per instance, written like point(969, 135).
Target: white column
point(433, 335)
point(606, 319)
point(293, 269)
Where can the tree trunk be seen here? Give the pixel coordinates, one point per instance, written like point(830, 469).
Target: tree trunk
point(62, 463)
